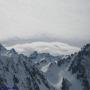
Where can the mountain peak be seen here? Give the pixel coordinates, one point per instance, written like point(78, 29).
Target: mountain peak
point(13, 51)
point(87, 46)
point(34, 55)
point(86, 49)
point(2, 48)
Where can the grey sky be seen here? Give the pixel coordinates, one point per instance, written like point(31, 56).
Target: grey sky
point(45, 20)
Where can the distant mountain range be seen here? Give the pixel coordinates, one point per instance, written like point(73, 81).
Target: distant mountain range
point(45, 71)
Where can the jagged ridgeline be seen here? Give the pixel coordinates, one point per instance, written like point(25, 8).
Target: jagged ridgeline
point(70, 72)
point(81, 67)
point(17, 72)
point(42, 71)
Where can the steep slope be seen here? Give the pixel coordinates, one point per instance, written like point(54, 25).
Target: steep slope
point(52, 67)
point(81, 67)
point(43, 60)
point(17, 72)
point(71, 72)
point(43, 71)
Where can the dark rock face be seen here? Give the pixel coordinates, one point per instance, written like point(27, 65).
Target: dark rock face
point(62, 61)
point(81, 66)
point(77, 65)
point(43, 56)
point(65, 84)
point(18, 73)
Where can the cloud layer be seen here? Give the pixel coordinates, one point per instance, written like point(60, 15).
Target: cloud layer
point(60, 20)
point(54, 48)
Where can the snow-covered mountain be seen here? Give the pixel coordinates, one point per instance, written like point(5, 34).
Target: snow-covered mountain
point(44, 71)
point(17, 72)
point(53, 48)
point(38, 57)
point(80, 67)
point(70, 72)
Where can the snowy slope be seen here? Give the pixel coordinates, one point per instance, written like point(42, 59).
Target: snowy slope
point(43, 71)
point(56, 71)
point(17, 71)
point(69, 73)
point(81, 67)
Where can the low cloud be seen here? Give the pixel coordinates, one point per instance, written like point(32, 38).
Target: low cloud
point(54, 48)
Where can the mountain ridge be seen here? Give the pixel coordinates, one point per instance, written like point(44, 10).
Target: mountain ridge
point(17, 70)
point(69, 72)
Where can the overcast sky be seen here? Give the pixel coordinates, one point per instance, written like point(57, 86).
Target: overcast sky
point(45, 20)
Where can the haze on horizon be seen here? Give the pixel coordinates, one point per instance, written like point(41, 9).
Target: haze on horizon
point(28, 21)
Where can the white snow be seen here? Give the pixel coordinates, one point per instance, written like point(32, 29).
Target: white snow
point(45, 68)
